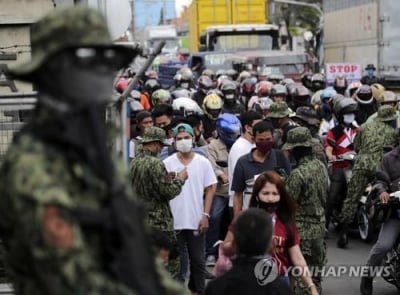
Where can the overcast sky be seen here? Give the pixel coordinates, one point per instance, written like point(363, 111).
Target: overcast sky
point(179, 4)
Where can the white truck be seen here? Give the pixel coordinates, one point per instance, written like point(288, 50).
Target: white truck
point(364, 32)
point(150, 36)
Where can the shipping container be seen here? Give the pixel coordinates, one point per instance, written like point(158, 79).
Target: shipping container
point(364, 32)
point(205, 13)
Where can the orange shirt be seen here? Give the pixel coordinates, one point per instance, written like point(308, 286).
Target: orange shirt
point(144, 101)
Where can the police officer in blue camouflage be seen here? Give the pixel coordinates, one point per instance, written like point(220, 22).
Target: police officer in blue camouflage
point(61, 191)
point(308, 185)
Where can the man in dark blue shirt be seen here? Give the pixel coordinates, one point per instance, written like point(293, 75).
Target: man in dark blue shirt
point(260, 159)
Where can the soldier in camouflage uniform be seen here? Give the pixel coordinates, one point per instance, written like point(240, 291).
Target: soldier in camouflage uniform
point(368, 143)
point(279, 116)
point(308, 185)
point(307, 117)
point(152, 183)
point(59, 163)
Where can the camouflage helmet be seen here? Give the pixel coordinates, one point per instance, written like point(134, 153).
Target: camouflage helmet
point(71, 28)
point(278, 110)
point(153, 134)
point(296, 137)
point(386, 113)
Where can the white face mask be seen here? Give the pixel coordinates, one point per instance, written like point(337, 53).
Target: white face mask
point(348, 118)
point(184, 145)
point(230, 96)
point(185, 85)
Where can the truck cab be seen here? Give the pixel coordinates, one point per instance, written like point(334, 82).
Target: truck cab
point(240, 37)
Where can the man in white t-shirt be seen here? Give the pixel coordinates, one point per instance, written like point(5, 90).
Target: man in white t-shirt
point(191, 208)
point(242, 146)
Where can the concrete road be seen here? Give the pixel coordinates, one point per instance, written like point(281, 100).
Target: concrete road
point(355, 254)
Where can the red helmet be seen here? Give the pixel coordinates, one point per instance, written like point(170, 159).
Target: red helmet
point(263, 88)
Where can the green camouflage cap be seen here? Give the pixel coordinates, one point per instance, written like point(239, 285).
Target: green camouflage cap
point(74, 27)
point(299, 136)
point(278, 110)
point(387, 113)
point(152, 134)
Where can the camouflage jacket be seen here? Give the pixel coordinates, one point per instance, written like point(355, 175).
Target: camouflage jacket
point(150, 182)
point(307, 184)
point(369, 143)
point(34, 175)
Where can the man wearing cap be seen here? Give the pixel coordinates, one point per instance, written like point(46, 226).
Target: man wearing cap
point(59, 167)
point(191, 208)
point(143, 120)
point(370, 78)
point(308, 185)
point(279, 117)
point(369, 144)
point(156, 187)
point(307, 117)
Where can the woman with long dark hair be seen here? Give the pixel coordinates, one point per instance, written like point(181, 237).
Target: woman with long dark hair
point(270, 194)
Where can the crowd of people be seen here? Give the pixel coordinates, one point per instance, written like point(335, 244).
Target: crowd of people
point(231, 141)
point(246, 158)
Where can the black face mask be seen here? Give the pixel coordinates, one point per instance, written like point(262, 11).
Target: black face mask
point(269, 207)
point(166, 127)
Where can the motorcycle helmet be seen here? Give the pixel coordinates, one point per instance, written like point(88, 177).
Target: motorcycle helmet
point(306, 80)
point(263, 88)
point(247, 87)
point(229, 129)
point(185, 107)
point(327, 94)
point(278, 90)
point(151, 85)
point(232, 74)
point(229, 92)
point(275, 78)
point(161, 96)
point(210, 73)
point(364, 95)
point(301, 94)
point(212, 106)
point(353, 87)
point(243, 76)
point(340, 84)
point(186, 78)
point(204, 84)
point(220, 73)
point(135, 95)
point(180, 93)
point(378, 92)
point(318, 82)
point(344, 106)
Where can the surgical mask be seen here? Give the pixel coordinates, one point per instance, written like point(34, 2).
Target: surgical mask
point(184, 145)
point(269, 207)
point(264, 146)
point(230, 96)
point(348, 118)
point(185, 85)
